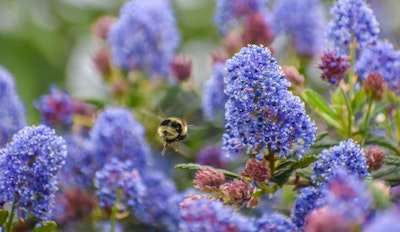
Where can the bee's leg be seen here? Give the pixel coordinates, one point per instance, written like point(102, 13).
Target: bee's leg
point(164, 149)
point(177, 146)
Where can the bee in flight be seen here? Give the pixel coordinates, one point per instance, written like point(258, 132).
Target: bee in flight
point(172, 130)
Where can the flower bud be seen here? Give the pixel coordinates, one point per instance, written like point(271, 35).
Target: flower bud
point(102, 26)
point(236, 192)
point(294, 77)
point(334, 66)
point(257, 31)
point(208, 180)
point(374, 157)
point(256, 170)
point(374, 86)
point(181, 68)
point(101, 61)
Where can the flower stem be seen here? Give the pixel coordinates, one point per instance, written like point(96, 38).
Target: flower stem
point(11, 218)
point(114, 210)
point(271, 159)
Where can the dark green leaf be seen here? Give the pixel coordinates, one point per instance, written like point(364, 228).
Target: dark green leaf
point(305, 161)
point(392, 160)
point(46, 227)
point(383, 142)
point(385, 172)
point(321, 136)
point(286, 168)
point(3, 216)
point(197, 167)
point(305, 173)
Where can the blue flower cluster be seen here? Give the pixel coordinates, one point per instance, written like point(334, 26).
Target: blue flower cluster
point(381, 58)
point(28, 168)
point(385, 221)
point(12, 113)
point(304, 21)
point(261, 114)
point(347, 155)
point(204, 214)
point(214, 98)
point(119, 176)
point(275, 223)
point(230, 13)
point(117, 134)
point(57, 107)
point(354, 21)
point(144, 37)
point(306, 201)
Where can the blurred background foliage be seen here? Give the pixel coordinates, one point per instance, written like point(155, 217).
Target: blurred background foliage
point(49, 41)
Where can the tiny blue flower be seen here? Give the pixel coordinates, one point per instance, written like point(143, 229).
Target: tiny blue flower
point(144, 37)
point(116, 133)
point(214, 98)
point(261, 114)
point(304, 21)
point(353, 21)
point(28, 168)
point(229, 13)
point(12, 113)
point(347, 155)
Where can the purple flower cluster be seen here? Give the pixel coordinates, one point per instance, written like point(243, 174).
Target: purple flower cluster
point(353, 21)
point(261, 114)
point(119, 176)
point(12, 113)
point(230, 13)
point(275, 223)
point(304, 21)
point(144, 37)
point(334, 66)
point(214, 98)
point(117, 134)
point(385, 221)
point(212, 156)
point(204, 214)
point(347, 155)
point(28, 168)
point(57, 107)
point(381, 58)
point(306, 201)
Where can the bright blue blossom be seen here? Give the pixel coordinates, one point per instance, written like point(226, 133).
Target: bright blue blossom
point(205, 214)
point(261, 114)
point(116, 133)
point(118, 177)
point(275, 223)
point(230, 13)
point(214, 98)
point(56, 107)
point(381, 58)
point(353, 21)
point(304, 21)
point(144, 37)
point(385, 221)
point(306, 201)
point(12, 113)
point(347, 155)
point(28, 168)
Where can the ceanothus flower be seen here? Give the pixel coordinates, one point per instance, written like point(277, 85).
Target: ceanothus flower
point(306, 201)
point(261, 114)
point(12, 113)
point(230, 13)
point(28, 168)
point(116, 133)
point(353, 21)
point(275, 223)
point(118, 177)
point(214, 98)
point(144, 37)
point(381, 58)
point(385, 221)
point(304, 21)
point(347, 155)
point(203, 214)
point(56, 107)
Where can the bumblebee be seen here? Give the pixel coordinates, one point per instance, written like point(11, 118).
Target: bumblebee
point(172, 130)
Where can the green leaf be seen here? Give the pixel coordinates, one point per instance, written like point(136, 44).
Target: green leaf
point(321, 136)
point(382, 201)
point(48, 226)
point(305, 173)
point(392, 160)
point(286, 168)
point(380, 107)
point(322, 108)
point(383, 142)
point(359, 101)
point(385, 171)
point(305, 161)
point(197, 167)
point(3, 216)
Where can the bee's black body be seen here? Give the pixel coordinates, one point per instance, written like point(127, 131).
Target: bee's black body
point(172, 130)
